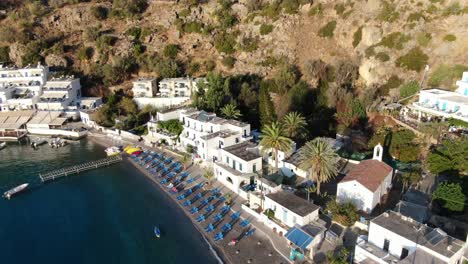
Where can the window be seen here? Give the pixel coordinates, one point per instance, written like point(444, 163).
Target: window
point(203, 145)
point(227, 160)
point(294, 219)
point(233, 164)
point(386, 245)
point(203, 156)
point(240, 166)
point(404, 253)
point(254, 168)
point(237, 140)
point(245, 133)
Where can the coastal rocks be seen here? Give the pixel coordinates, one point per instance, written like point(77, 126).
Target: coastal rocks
point(57, 61)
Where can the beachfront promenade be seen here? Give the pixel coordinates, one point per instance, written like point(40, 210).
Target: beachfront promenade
point(263, 247)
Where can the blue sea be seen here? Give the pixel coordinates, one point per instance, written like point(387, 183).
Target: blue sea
point(101, 216)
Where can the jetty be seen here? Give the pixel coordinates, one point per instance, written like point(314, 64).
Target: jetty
point(55, 174)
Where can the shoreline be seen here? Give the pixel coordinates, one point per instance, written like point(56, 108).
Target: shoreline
point(217, 252)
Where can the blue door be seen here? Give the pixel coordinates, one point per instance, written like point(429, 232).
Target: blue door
point(444, 106)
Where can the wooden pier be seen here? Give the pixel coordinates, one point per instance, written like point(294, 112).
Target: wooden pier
point(52, 175)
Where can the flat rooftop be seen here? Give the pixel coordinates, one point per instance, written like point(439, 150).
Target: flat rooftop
point(293, 203)
point(47, 118)
point(15, 119)
point(243, 151)
point(432, 238)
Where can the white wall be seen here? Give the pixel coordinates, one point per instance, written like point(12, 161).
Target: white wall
point(160, 102)
point(291, 217)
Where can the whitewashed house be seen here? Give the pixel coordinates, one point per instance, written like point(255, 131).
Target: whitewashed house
point(145, 87)
point(178, 87)
point(61, 94)
point(208, 134)
point(394, 238)
point(366, 183)
point(290, 209)
point(237, 167)
point(443, 103)
point(20, 88)
point(53, 123)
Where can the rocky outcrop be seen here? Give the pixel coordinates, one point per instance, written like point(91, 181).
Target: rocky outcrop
point(56, 60)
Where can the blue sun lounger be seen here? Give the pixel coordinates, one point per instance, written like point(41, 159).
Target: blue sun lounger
point(210, 208)
point(235, 216)
point(168, 160)
point(201, 218)
point(227, 227)
point(178, 169)
point(194, 210)
point(209, 228)
point(187, 203)
point(217, 218)
point(250, 232)
point(181, 197)
point(188, 192)
point(225, 209)
point(218, 237)
point(244, 223)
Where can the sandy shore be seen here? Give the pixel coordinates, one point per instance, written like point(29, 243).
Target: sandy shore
point(255, 249)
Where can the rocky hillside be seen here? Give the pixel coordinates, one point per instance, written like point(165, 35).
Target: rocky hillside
point(388, 41)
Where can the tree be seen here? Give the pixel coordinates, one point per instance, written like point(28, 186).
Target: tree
point(450, 196)
point(171, 51)
point(450, 156)
point(294, 124)
point(215, 94)
point(343, 213)
point(318, 157)
point(128, 106)
point(272, 137)
point(309, 190)
point(340, 258)
point(230, 111)
point(266, 108)
point(209, 175)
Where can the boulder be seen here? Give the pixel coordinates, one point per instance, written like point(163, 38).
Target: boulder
point(56, 60)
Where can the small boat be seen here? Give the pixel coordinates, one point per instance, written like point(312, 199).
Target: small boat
point(2, 145)
point(57, 142)
point(112, 151)
point(8, 194)
point(37, 142)
point(133, 150)
point(157, 232)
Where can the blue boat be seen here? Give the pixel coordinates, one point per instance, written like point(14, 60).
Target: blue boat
point(157, 232)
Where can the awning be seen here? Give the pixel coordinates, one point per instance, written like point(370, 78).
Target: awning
point(299, 237)
point(54, 95)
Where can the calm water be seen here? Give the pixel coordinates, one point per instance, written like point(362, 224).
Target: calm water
point(102, 216)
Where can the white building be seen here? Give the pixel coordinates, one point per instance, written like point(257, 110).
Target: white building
point(290, 209)
point(366, 183)
point(208, 134)
point(394, 238)
point(61, 94)
point(237, 167)
point(20, 88)
point(53, 123)
point(144, 87)
point(438, 102)
point(178, 87)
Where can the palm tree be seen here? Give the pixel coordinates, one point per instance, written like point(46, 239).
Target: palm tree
point(318, 157)
point(294, 123)
point(273, 138)
point(230, 111)
point(209, 175)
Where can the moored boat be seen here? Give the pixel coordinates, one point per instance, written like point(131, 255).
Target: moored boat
point(8, 194)
point(157, 232)
point(112, 151)
point(2, 145)
point(37, 142)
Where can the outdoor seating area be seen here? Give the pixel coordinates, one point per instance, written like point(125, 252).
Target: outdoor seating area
point(205, 205)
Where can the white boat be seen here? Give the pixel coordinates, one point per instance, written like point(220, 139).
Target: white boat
point(112, 151)
point(57, 142)
point(37, 142)
point(2, 145)
point(8, 194)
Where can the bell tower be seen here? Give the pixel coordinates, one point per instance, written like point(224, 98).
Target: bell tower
point(378, 152)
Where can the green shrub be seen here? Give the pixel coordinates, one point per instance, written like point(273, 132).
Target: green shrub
point(370, 51)
point(272, 10)
point(414, 60)
point(229, 62)
point(392, 82)
point(4, 54)
point(171, 50)
point(409, 88)
point(192, 27)
point(290, 6)
point(8, 34)
point(395, 40)
point(91, 33)
point(105, 41)
point(344, 213)
point(453, 10)
point(432, 9)
point(210, 65)
point(193, 68)
point(128, 8)
point(266, 29)
point(225, 42)
point(316, 10)
point(99, 12)
point(424, 38)
point(382, 56)
point(357, 37)
point(249, 44)
point(184, 12)
point(327, 30)
point(416, 16)
point(445, 75)
point(388, 12)
point(340, 8)
point(450, 38)
point(84, 53)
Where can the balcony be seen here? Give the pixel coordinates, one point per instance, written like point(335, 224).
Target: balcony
point(366, 250)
